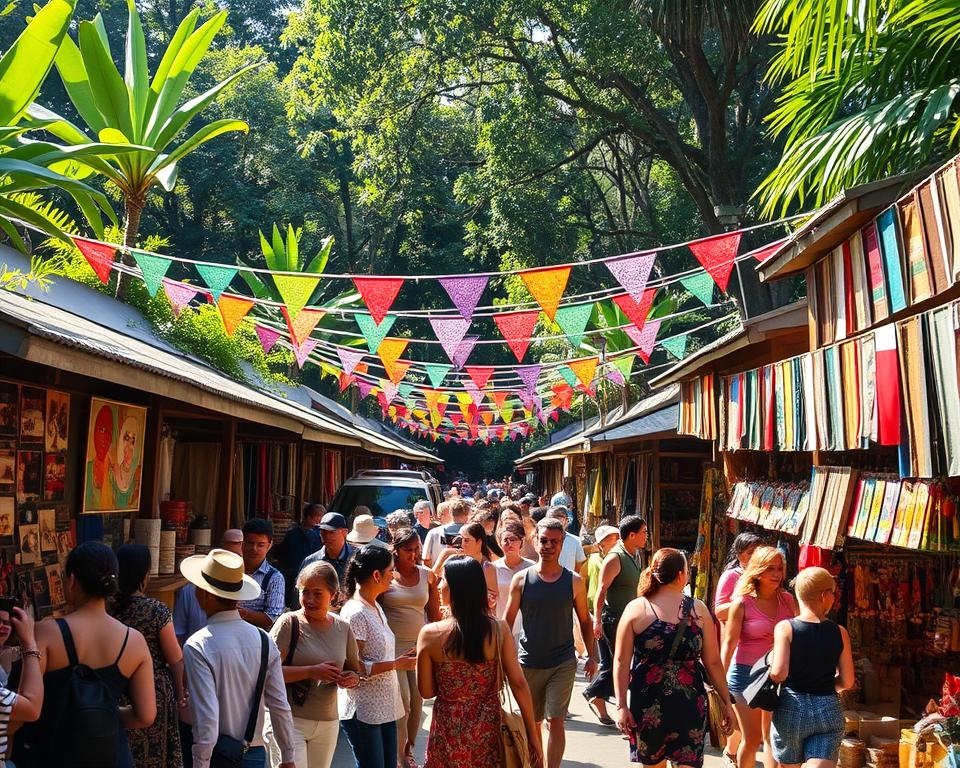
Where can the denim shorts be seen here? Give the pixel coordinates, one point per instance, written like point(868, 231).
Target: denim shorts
point(806, 727)
point(738, 677)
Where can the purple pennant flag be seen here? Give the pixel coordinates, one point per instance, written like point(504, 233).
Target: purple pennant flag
point(268, 337)
point(465, 293)
point(464, 350)
point(528, 375)
point(349, 358)
point(365, 388)
point(616, 377)
point(474, 393)
point(632, 272)
point(302, 351)
point(449, 332)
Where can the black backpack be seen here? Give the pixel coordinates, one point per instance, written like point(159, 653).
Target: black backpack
point(88, 727)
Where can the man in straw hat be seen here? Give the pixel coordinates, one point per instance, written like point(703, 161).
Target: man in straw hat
point(223, 662)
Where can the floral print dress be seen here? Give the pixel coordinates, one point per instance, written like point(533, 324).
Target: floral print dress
point(465, 731)
point(667, 698)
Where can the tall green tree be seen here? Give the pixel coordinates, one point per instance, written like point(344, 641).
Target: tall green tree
point(869, 90)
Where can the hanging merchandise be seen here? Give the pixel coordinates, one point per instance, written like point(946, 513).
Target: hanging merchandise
point(698, 412)
point(775, 506)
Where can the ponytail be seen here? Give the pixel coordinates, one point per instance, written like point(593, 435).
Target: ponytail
point(665, 566)
point(365, 562)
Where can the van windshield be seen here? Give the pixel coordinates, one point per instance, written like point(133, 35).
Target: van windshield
point(381, 499)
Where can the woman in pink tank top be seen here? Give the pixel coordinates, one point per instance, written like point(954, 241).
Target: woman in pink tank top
point(760, 601)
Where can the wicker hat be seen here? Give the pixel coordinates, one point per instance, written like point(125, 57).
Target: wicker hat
point(220, 573)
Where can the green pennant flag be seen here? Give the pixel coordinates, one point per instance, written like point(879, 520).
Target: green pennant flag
point(436, 372)
point(405, 389)
point(295, 290)
point(573, 322)
point(676, 346)
point(624, 364)
point(153, 267)
point(700, 285)
point(216, 278)
point(506, 413)
point(568, 375)
point(373, 333)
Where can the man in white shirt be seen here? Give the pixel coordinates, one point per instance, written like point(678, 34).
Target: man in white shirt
point(222, 663)
point(572, 556)
point(433, 545)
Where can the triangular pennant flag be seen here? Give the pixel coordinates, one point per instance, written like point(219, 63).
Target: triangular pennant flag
point(676, 345)
point(365, 388)
point(345, 380)
point(449, 332)
point(178, 294)
point(268, 337)
point(499, 397)
point(349, 358)
point(700, 285)
point(646, 340)
point(632, 273)
point(616, 377)
point(464, 292)
point(388, 389)
point(302, 351)
point(624, 364)
point(153, 268)
point(232, 310)
point(405, 389)
point(390, 351)
point(302, 325)
point(378, 293)
point(456, 418)
point(764, 253)
point(432, 398)
point(635, 311)
point(99, 256)
point(437, 372)
point(585, 369)
point(506, 412)
point(480, 374)
point(568, 375)
point(716, 255)
point(528, 375)
point(546, 285)
point(573, 321)
point(295, 290)
point(517, 328)
point(475, 394)
point(464, 350)
point(487, 417)
point(217, 278)
point(373, 331)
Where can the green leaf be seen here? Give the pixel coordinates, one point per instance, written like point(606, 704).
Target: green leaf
point(293, 250)
point(109, 92)
point(319, 262)
point(135, 76)
point(202, 136)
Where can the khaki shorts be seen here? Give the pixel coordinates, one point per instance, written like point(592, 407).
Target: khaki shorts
point(551, 689)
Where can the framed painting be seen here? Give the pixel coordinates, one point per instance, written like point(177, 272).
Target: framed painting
point(33, 403)
point(114, 456)
point(9, 408)
point(57, 422)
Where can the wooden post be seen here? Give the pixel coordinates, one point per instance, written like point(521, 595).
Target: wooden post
point(228, 444)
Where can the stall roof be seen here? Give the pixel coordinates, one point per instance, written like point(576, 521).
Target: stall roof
point(664, 420)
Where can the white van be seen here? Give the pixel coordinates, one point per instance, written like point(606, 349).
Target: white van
point(386, 490)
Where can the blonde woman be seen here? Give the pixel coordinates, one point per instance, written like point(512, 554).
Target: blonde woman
point(812, 658)
point(759, 603)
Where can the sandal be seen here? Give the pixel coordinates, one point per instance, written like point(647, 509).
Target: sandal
point(604, 719)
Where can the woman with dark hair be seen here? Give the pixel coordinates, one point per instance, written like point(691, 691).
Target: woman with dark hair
point(369, 712)
point(460, 661)
point(662, 638)
point(411, 601)
point(88, 636)
point(157, 746)
point(473, 544)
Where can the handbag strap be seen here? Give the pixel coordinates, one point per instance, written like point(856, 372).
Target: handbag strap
point(258, 691)
point(294, 637)
point(681, 627)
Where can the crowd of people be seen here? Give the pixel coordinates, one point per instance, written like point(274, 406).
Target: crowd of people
point(274, 654)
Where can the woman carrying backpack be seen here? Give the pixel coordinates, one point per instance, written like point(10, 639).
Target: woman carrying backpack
point(89, 660)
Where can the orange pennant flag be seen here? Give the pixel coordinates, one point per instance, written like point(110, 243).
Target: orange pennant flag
point(547, 285)
point(487, 417)
point(390, 351)
point(302, 325)
point(499, 397)
point(585, 369)
point(232, 310)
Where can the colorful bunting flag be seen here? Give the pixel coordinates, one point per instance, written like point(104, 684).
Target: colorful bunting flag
point(378, 293)
point(303, 351)
point(99, 256)
point(349, 358)
point(301, 326)
point(436, 372)
point(388, 389)
point(516, 328)
point(764, 253)
point(268, 337)
point(449, 332)
point(716, 255)
point(676, 345)
point(390, 351)
point(465, 293)
point(499, 397)
point(624, 364)
point(585, 369)
point(487, 417)
point(464, 350)
point(295, 290)
point(506, 412)
point(700, 285)
point(568, 375)
point(456, 418)
point(405, 389)
point(365, 388)
point(573, 321)
point(636, 312)
point(546, 285)
point(178, 294)
point(345, 380)
point(232, 310)
point(480, 374)
point(646, 339)
point(475, 394)
point(616, 377)
point(632, 272)
point(372, 331)
point(528, 375)
point(216, 278)
point(153, 268)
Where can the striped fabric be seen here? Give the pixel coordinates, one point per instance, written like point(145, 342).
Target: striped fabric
point(7, 699)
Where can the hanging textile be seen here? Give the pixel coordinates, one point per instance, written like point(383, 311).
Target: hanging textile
point(698, 410)
point(712, 534)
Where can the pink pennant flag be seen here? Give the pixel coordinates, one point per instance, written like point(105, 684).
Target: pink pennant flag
point(465, 293)
point(480, 374)
point(388, 389)
point(616, 377)
point(474, 393)
point(378, 293)
point(464, 350)
point(303, 351)
point(268, 337)
point(517, 328)
point(528, 375)
point(632, 272)
point(645, 339)
point(450, 332)
point(179, 295)
point(716, 254)
point(349, 358)
point(365, 388)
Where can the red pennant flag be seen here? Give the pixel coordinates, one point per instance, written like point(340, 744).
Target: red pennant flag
point(455, 417)
point(378, 293)
point(764, 253)
point(516, 328)
point(346, 380)
point(636, 313)
point(546, 285)
point(716, 254)
point(99, 256)
point(480, 374)
point(562, 395)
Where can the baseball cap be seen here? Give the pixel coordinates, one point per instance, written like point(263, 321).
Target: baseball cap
point(333, 521)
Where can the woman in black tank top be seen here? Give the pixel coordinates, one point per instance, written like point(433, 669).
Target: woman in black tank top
point(812, 660)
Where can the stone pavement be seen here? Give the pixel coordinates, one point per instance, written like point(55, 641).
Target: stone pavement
point(589, 744)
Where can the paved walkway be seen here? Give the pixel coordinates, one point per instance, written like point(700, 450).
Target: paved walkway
point(589, 744)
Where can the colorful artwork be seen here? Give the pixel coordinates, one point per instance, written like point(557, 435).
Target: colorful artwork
point(29, 544)
point(9, 407)
point(114, 456)
point(29, 475)
point(54, 476)
point(8, 468)
point(33, 402)
point(48, 530)
point(6, 516)
point(58, 421)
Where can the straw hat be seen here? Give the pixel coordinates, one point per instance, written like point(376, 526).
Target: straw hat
point(365, 532)
point(603, 531)
point(220, 573)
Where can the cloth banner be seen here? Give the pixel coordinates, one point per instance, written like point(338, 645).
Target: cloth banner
point(374, 332)
point(573, 322)
point(268, 337)
point(378, 293)
point(216, 278)
point(303, 351)
point(295, 290)
point(153, 268)
point(701, 286)
point(546, 285)
point(585, 369)
point(716, 255)
point(390, 351)
point(632, 273)
point(302, 325)
point(449, 332)
point(232, 310)
point(516, 328)
point(676, 346)
point(528, 375)
point(349, 358)
point(465, 293)
point(437, 372)
point(99, 256)
point(480, 374)
point(636, 312)
point(365, 388)
point(464, 350)
point(178, 294)
point(568, 375)
point(645, 339)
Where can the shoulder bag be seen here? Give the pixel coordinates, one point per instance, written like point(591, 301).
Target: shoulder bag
point(296, 692)
point(514, 750)
point(762, 692)
point(228, 752)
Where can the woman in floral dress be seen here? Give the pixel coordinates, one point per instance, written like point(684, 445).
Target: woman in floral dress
point(459, 662)
point(660, 642)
